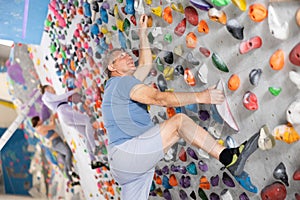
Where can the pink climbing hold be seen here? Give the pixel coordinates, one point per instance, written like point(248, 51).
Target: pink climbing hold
point(250, 44)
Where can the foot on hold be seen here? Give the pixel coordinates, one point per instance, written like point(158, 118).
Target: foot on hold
point(75, 183)
point(98, 164)
point(241, 155)
point(74, 174)
point(245, 182)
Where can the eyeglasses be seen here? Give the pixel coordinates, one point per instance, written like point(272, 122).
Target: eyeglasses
point(120, 57)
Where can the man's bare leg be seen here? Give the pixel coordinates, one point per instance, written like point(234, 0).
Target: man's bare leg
point(181, 126)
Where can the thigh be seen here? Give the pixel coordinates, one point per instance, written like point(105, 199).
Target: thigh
point(139, 154)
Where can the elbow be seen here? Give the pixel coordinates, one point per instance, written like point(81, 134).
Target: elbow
point(160, 99)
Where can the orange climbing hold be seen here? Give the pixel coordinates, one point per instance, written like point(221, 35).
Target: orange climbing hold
point(286, 133)
point(172, 180)
point(171, 112)
point(191, 40)
point(167, 15)
point(204, 183)
point(217, 15)
point(150, 21)
point(80, 10)
point(203, 27)
point(298, 17)
point(234, 82)
point(257, 12)
point(277, 60)
point(189, 77)
point(158, 180)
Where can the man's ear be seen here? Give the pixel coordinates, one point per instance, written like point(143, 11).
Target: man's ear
point(111, 68)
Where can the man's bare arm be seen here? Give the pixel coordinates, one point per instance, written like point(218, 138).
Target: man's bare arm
point(148, 95)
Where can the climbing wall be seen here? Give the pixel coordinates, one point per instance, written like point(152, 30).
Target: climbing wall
point(194, 46)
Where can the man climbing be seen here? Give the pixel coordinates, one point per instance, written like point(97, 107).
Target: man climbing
point(136, 145)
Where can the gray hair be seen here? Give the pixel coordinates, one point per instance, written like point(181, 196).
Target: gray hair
point(108, 59)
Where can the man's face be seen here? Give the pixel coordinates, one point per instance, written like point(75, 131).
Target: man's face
point(122, 63)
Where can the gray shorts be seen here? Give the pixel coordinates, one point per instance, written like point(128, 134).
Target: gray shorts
point(133, 162)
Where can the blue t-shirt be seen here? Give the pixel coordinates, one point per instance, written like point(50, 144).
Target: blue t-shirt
point(123, 118)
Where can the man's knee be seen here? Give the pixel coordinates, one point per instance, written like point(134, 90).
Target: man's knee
point(180, 117)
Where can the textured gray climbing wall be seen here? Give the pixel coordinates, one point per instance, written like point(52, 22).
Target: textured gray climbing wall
point(271, 110)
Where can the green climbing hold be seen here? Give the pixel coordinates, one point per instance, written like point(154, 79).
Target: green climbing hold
point(114, 28)
point(275, 90)
point(63, 54)
point(159, 65)
point(202, 194)
point(52, 48)
point(76, 3)
point(47, 23)
point(219, 63)
point(168, 37)
point(221, 2)
point(126, 26)
point(120, 1)
point(150, 38)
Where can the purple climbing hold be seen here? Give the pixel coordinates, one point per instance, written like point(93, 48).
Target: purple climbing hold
point(244, 196)
point(185, 181)
point(158, 171)
point(203, 115)
point(183, 195)
point(214, 196)
point(105, 5)
point(192, 153)
point(201, 4)
point(167, 194)
point(214, 180)
point(202, 166)
point(165, 170)
point(174, 168)
point(227, 180)
point(182, 169)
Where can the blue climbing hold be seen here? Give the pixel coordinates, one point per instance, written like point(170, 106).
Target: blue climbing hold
point(191, 168)
point(245, 182)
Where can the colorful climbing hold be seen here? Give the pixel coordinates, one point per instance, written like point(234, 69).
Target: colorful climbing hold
point(241, 4)
point(275, 90)
point(251, 44)
point(203, 27)
point(275, 190)
point(277, 60)
point(254, 76)
point(233, 82)
point(280, 173)
point(191, 15)
point(294, 55)
point(191, 40)
point(286, 133)
point(250, 101)
point(189, 77)
point(180, 28)
point(257, 12)
point(219, 63)
point(217, 16)
point(236, 30)
point(277, 29)
point(201, 4)
point(167, 15)
point(227, 180)
point(221, 2)
point(204, 183)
